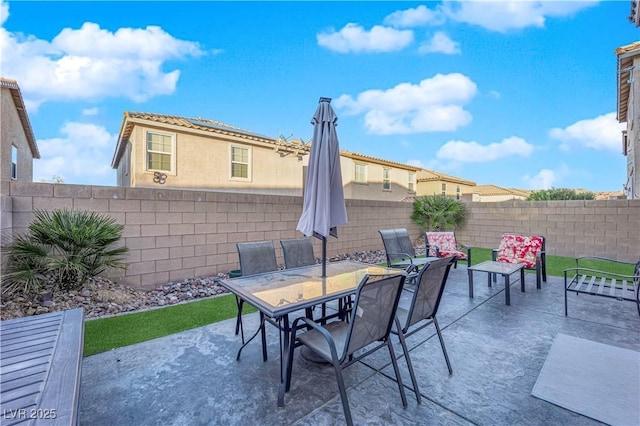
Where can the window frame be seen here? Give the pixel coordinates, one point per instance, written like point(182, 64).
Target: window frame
point(365, 178)
point(386, 180)
point(172, 161)
point(444, 189)
point(14, 162)
point(249, 162)
point(458, 192)
point(411, 182)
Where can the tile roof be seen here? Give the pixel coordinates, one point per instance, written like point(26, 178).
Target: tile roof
point(489, 190)
point(14, 89)
point(436, 176)
point(376, 160)
point(198, 124)
point(625, 56)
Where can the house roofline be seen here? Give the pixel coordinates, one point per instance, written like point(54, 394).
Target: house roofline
point(14, 89)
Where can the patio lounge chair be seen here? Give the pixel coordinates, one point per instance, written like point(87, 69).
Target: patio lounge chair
point(444, 244)
point(373, 316)
point(255, 258)
point(422, 310)
point(526, 250)
point(400, 252)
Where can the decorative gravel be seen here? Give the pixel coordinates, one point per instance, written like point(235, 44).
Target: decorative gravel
point(102, 297)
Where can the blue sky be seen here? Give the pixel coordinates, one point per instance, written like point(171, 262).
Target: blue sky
point(517, 94)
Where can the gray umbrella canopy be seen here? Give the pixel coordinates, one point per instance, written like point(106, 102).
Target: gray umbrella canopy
point(323, 209)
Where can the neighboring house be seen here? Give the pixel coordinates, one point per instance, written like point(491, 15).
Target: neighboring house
point(155, 150)
point(17, 144)
point(494, 193)
point(370, 178)
point(629, 112)
point(432, 183)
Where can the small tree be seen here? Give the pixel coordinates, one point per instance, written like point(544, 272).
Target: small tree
point(64, 248)
point(560, 194)
point(438, 212)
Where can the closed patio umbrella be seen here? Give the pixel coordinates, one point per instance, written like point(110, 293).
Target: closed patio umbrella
point(323, 209)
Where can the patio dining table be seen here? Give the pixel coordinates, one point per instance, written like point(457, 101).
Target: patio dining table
point(278, 294)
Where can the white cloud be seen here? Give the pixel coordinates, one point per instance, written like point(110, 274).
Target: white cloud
point(494, 94)
point(600, 133)
point(545, 179)
point(503, 16)
point(473, 152)
point(93, 63)
point(415, 17)
point(354, 38)
point(434, 104)
point(4, 12)
point(440, 43)
point(90, 111)
point(81, 156)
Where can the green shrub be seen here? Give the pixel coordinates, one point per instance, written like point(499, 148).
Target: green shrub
point(560, 194)
point(438, 212)
point(61, 249)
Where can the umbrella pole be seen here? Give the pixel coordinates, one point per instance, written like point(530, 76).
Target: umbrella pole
point(324, 257)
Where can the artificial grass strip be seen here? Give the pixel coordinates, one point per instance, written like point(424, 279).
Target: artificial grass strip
point(104, 334)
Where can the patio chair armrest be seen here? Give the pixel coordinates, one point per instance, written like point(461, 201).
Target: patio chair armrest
point(578, 259)
point(325, 333)
point(494, 254)
point(428, 247)
point(407, 255)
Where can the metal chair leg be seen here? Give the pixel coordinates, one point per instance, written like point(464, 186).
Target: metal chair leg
point(444, 349)
point(405, 350)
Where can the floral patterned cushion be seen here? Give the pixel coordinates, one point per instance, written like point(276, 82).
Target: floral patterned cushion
point(446, 242)
point(519, 249)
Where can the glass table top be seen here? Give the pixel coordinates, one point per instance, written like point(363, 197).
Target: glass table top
point(496, 267)
point(282, 292)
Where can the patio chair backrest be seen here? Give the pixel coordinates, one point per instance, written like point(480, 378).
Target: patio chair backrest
point(257, 257)
point(397, 244)
point(428, 292)
point(445, 241)
point(297, 252)
point(520, 249)
point(373, 312)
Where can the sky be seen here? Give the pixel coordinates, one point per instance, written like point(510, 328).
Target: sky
point(512, 93)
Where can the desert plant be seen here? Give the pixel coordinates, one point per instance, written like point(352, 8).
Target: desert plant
point(62, 247)
point(560, 194)
point(438, 212)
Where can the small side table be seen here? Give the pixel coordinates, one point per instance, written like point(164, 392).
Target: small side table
point(502, 268)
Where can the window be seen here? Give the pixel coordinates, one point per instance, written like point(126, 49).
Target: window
point(361, 173)
point(457, 192)
point(14, 162)
point(239, 162)
point(159, 152)
point(411, 186)
point(444, 189)
point(386, 182)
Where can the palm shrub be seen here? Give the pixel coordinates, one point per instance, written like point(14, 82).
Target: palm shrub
point(62, 249)
point(438, 212)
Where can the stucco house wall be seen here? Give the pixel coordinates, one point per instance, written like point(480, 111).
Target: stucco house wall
point(201, 157)
point(629, 112)
point(15, 131)
point(373, 188)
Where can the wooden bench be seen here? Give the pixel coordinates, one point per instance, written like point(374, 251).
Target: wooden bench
point(602, 283)
point(40, 363)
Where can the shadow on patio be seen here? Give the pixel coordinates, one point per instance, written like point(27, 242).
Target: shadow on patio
point(497, 352)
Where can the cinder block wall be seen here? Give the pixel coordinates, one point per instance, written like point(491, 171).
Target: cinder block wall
point(572, 228)
point(175, 234)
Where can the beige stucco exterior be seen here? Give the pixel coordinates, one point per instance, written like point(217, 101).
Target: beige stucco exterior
point(629, 112)
point(434, 183)
point(15, 131)
point(201, 159)
point(373, 188)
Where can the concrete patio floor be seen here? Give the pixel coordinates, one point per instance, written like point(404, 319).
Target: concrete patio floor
point(497, 352)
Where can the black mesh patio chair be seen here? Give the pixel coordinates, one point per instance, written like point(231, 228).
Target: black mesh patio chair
point(297, 252)
point(400, 251)
point(255, 258)
point(423, 308)
point(373, 315)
